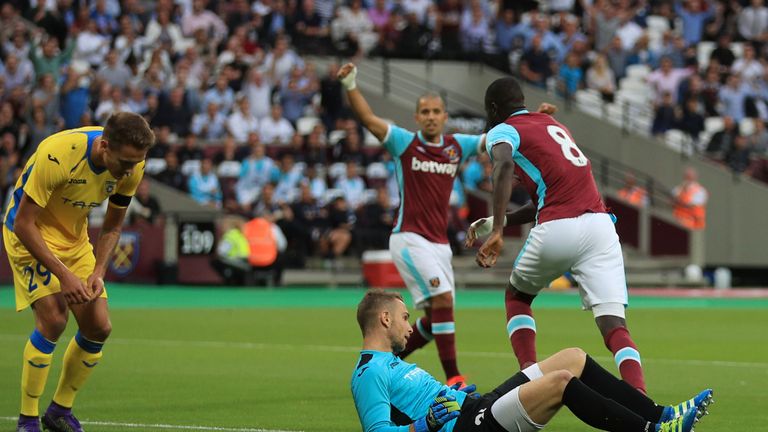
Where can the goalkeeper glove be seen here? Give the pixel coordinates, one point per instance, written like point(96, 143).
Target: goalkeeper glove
point(443, 409)
point(484, 226)
point(469, 390)
point(348, 81)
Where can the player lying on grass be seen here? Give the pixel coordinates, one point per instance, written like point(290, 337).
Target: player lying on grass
point(393, 395)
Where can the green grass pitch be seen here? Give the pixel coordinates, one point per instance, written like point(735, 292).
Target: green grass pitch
point(246, 360)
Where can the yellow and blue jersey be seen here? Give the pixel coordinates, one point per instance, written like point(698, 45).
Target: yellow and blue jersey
point(61, 178)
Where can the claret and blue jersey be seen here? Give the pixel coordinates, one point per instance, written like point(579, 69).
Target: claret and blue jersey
point(390, 393)
point(425, 174)
point(554, 171)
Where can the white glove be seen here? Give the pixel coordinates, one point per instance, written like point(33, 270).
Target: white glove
point(348, 81)
point(484, 226)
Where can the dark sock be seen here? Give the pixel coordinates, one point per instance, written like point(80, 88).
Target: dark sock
point(421, 335)
point(600, 412)
point(611, 387)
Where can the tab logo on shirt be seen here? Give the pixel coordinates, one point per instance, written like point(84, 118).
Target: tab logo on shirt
point(434, 167)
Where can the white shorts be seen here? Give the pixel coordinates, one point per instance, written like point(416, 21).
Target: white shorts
point(587, 246)
point(509, 411)
point(424, 266)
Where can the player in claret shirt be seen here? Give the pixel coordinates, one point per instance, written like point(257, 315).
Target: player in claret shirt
point(573, 232)
point(426, 165)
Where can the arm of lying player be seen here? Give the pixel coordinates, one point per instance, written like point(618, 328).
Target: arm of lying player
point(26, 229)
point(443, 409)
point(359, 105)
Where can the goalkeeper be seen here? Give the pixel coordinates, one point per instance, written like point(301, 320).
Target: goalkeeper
point(393, 395)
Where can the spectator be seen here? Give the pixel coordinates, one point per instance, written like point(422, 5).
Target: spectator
point(352, 30)
point(259, 92)
point(474, 29)
point(211, 125)
point(536, 65)
point(162, 143)
point(242, 122)
point(316, 183)
point(758, 141)
point(633, 193)
point(220, 94)
point(600, 77)
point(338, 235)
point(352, 187)
point(227, 153)
point(311, 28)
point(694, 15)
point(618, 58)
point(161, 31)
point(722, 141)
point(204, 185)
point(174, 112)
point(629, 31)
point(753, 21)
point(46, 96)
point(375, 223)
point(279, 62)
point(275, 129)
point(664, 116)
point(690, 201)
point(171, 175)
point(295, 96)
point(74, 97)
point(91, 46)
point(52, 60)
point(144, 208)
point(379, 15)
point(689, 119)
point(739, 156)
point(200, 19)
point(17, 73)
point(289, 178)
point(570, 76)
point(190, 149)
point(722, 54)
point(732, 97)
point(351, 150)
point(748, 67)
point(110, 106)
point(667, 79)
point(255, 172)
point(308, 223)
point(331, 100)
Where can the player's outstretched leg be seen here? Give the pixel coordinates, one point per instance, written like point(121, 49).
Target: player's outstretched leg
point(521, 327)
point(700, 402)
point(51, 320)
point(625, 354)
point(444, 331)
point(421, 335)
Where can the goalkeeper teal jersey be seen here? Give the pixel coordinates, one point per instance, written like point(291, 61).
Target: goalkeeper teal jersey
point(390, 393)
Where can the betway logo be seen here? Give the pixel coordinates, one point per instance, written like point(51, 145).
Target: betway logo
point(434, 167)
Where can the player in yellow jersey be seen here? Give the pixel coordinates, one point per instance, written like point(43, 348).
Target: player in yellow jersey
point(55, 270)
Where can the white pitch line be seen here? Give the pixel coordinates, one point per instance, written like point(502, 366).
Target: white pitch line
point(166, 426)
point(351, 349)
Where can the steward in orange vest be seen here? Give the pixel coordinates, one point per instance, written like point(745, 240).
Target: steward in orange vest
point(690, 201)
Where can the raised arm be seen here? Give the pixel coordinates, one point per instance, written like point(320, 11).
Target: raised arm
point(360, 107)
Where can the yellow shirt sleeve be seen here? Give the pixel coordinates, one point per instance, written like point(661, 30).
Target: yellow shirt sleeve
point(46, 176)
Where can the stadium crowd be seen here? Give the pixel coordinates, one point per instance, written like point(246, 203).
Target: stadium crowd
point(245, 123)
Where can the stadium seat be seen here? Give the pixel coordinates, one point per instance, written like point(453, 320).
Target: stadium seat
point(634, 85)
point(304, 125)
point(330, 194)
point(738, 49)
point(190, 167)
point(229, 169)
point(589, 101)
point(376, 170)
point(747, 127)
point(703, 52)
point(615, 113)
point(657, 23)
point(337, 170)
point(370, 140)
point(154, 166)
point(335, 136)
point(677, 140)
point(369, 196)
point(638, 71)
point(713, 124)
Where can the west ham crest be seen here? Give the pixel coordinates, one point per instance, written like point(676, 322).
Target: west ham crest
point(452, 153)
point(126, 254)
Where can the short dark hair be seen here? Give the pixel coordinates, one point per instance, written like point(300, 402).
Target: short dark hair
point(126, 128)
point(429, 95)
point(371, 304)
point(506, 93)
